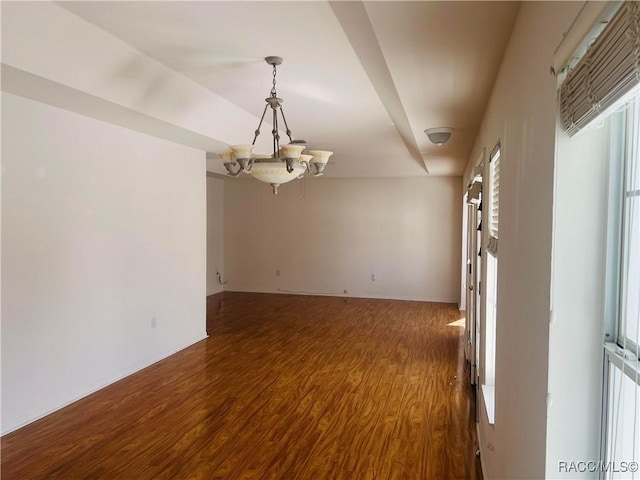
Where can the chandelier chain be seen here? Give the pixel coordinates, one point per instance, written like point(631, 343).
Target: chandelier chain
point(273, 89)
point(276, 135)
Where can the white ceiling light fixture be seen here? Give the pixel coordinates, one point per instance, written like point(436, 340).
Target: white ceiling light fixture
point(286, 163)
point(440, 135)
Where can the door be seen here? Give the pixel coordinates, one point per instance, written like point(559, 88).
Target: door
point(472, 290)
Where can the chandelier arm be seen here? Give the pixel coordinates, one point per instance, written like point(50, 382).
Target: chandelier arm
point(249, 167)
point(229, 166)
point(314, 171)
point(305, 168)
point(292, 163)
point(285, 124)
point(257, 132)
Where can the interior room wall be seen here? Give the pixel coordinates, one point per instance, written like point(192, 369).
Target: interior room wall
point(378, 238)
point(215, 239)
point(103, 255)
point(522, 115)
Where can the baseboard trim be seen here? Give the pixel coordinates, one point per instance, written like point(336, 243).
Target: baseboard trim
point(485, 476)
point(344, 295)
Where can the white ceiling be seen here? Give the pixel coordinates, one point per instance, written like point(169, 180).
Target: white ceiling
point(363, 79)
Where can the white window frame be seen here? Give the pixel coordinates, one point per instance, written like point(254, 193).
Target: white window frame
point(620, 353)
point(490, 282)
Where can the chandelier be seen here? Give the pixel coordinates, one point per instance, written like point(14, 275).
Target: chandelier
point(285, 163)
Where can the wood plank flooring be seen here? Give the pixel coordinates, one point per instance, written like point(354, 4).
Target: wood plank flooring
point(285, 387)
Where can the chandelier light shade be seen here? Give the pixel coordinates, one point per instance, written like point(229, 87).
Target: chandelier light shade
point(286, 163)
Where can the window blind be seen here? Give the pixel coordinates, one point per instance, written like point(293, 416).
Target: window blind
point(494, 211)
point(609, 69)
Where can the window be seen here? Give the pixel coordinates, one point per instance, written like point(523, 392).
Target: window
point(622, 372)
point(601, 78)
point(629, 321)
point(491, 283)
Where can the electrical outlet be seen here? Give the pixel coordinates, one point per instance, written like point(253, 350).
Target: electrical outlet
point(346, 291)
point(154, 323)
point(373, 277)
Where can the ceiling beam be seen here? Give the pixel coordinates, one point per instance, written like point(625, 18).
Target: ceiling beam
point(53, 56)
point(27, 85)
point(356, 25)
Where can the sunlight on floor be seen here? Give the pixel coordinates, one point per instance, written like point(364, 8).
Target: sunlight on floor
point(457, 323)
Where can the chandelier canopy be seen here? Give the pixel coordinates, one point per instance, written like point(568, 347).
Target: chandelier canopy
point(286, 162)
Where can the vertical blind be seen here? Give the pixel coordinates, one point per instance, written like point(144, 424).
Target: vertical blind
point(608, 70)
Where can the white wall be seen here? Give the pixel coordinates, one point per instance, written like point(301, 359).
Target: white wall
point(215, 239)
point(333, 235)
point(522, 114)
point(103, 230)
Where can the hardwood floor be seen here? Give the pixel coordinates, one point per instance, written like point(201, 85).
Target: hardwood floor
point(285, 387)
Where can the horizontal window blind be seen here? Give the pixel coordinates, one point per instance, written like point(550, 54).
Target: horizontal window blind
point(494, 211)
point(609, 69)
